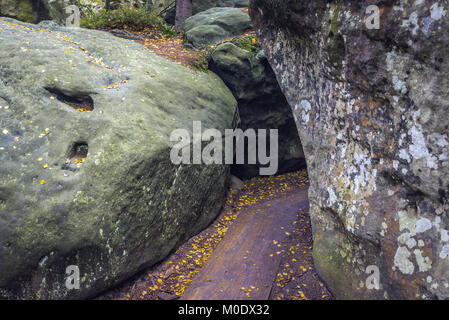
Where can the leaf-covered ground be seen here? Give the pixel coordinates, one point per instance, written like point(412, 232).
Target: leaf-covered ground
point(296, 277)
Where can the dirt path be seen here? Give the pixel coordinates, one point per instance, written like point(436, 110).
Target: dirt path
point(260, 247)
point(248, 257)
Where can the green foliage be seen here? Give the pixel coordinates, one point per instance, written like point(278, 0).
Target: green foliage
point(123, 18)
point(204, 56)
point(248, 43)
point(25, 12)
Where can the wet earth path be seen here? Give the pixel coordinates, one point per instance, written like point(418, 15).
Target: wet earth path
point(260, 247)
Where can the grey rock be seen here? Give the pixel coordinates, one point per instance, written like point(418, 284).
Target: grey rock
point(261, 104)
point(48, 24)
point(126, 206)
point(236, 183)
point(216, 24)
point(261, 55)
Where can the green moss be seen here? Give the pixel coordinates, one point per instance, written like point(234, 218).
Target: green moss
point(202, 64)
point(25, 11)
point(248, 43)
point(125, 18)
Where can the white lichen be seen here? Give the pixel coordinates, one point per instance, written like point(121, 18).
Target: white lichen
point(437, 12)
point(424, 263)
point(402, 262)
point(444, 252)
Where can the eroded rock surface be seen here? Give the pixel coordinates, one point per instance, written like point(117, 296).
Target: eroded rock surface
point(371, 106)
point(216, 24)
point(86, 176)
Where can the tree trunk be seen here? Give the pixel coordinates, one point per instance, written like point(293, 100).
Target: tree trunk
point(107, 5)
point(183, 11)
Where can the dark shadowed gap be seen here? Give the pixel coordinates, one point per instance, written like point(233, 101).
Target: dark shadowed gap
point(79, 101)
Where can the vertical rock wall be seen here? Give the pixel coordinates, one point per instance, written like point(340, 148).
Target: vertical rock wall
point(371, 106)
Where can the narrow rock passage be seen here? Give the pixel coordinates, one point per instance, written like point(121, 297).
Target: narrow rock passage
point(260, 247)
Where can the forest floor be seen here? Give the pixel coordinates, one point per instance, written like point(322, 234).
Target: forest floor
point(260, 247)
point(171, 47)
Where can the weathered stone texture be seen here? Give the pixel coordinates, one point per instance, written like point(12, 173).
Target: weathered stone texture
point(126, 206)
point(372, 111)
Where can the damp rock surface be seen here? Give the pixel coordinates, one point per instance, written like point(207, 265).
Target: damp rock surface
point(34, 11)
point(86, 177)
point(215, 25)
point(372, 108)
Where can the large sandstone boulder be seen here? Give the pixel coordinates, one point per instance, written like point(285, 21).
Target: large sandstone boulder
point(216, 24)
point(261, 103)
point(372, 109)
point(86, 176)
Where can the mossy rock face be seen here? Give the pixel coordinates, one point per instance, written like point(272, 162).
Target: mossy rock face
point(261, 104)
point(371, 106)
point(216, 24)
point(85, 146)
point(23, 10)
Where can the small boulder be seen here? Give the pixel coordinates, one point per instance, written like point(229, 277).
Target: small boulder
point(215, 25)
